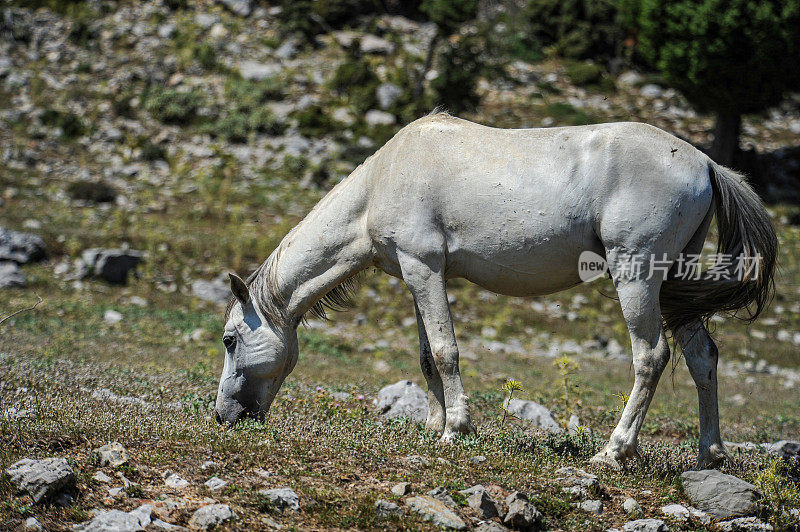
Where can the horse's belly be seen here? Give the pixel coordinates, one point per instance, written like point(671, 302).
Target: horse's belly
point(524, 269)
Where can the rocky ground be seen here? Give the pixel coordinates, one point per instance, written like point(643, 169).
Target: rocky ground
point(145, 151)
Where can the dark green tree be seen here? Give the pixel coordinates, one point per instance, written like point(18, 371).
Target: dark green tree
point(729, 57)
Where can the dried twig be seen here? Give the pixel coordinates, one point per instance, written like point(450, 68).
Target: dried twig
point(22, 310)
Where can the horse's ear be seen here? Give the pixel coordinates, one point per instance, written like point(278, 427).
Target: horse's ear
point(239, 289)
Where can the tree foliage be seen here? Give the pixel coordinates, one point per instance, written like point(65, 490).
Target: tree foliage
point(726, 56)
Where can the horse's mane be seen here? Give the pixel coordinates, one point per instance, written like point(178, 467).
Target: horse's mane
point(265, 293)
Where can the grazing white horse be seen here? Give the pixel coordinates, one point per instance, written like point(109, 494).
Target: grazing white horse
point(510, 210)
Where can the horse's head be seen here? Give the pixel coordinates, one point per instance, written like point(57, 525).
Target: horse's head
point(258, 356)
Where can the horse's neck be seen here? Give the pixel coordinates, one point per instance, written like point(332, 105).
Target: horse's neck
point(330, 245)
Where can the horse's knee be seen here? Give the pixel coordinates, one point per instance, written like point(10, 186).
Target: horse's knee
point(651, 363)
point(702, 363)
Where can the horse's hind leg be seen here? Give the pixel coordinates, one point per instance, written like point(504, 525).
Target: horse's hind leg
point(425, 279)
point(639, 301)
point(436, 415)
point(701, 358)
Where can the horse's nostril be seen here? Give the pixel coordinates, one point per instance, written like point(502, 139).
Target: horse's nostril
point(217, 417)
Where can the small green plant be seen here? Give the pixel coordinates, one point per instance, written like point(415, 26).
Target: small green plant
point(172, 106)
point(623, 400)
point(135, 491)
point(94, 191)
point(70, 124)
point(585, 73)
point(779, 492)
point(509, 387)
point(567, 368)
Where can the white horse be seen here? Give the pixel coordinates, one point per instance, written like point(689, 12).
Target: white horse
point(512, 211)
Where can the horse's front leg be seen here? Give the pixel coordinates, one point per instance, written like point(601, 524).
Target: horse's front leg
point(436, 414)
point(426, 281)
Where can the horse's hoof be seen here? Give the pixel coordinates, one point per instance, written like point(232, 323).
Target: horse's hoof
point(435, 424)
point(606, 460)
point(713, 458)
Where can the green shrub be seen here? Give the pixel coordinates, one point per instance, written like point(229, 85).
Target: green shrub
point(70, 124)
point(152, 152)
point(309, 18)
point(249, 94)
point(172, 106)
point(459, 66)
point(94, 191)
point(583, 74)
point(314, 121)
point(577, 29)
point(355, 80)
point(567, 114)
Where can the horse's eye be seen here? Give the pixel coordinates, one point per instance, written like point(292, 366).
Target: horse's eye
point(229, 341)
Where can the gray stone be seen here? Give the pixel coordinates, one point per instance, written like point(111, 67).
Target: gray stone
point(287, 50)
point(385, 508)
point(522, 515)
point(632, 507)
point(210, 516)
point(745, 524)
point(21, 248)
point(167, 30)
point(374, 117)
point(99, 476)
point(205, 20)
point(112, 265)
point(645, 525)
point(442, 494)
point(238, 7)
point(281, 498)
point(173, 480)
point(683, 513)
point(629, 79)
point(436, 512)
point(32, 524)
point(489, 526)
point(388, 94)
point(41, 479)
point(720, 495)
point(403, 399)
point(401, 488)
point(538, 415)
point(118, 521)
point(478, 498)
point(111, 454)
point(11, 276)
point(215, 483)
point(593, 506)
point(255, 71)
point(216, 291)
point(112, 317)
point(783, 448)
point(651, 91)
point(371, 44)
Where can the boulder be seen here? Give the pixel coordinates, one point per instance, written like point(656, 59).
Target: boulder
point(217, 291)
point(723, 496)
point(173, 480)
point(645, 525)
point(538, 415)
point(682, 513)
point(372, 44)
point(211, 516)
point(41, 479)
point(215, 483)
point(593, 506)
point(21, 248)
point(118, 521)
point(11, 276)
point(385, 508)
point(255, 71)
point(403, 399)
point(32, 525)
point(479, 499)
point(111, 265)
point(783, 448)
point(436, 512)
point(375, 117)
point(401, 488)
point(632, 507)
point(443, 495)
point(388, 94)
point(111, 454)
point(281, 499)
point(522, 515)
point(237, 7)
point(745, 524)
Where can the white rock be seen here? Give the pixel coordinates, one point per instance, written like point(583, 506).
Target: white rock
point(745, 524)
point(215, 483)
point(32, 524)
point(112, 454)
point(173, 480)
point(645, 525)
point(112, 317)
point(403, 399)
point(210, 516)
point(255, 71)
point(41, 479)
point(371, 44)
point(651, 91)
point(118, 521)
point(532, 411)
point(436, 512)
point(282, 498)
point(631, 507)
point(374, 117)
point(388, 94)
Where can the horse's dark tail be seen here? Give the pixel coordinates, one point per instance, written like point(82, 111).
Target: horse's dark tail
point(746, 236)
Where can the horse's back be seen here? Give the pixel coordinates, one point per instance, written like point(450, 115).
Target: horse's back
point(513, 209)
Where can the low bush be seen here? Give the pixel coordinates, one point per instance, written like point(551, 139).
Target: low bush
point(93, 191)
point(172, 106)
